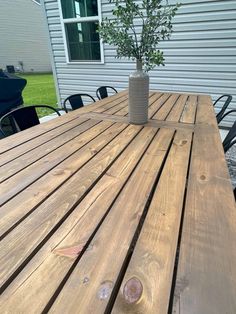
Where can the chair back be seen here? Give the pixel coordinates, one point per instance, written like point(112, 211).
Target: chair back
point(21, 119)
point(76, 101)
point(230, 138)
point(102, 92)
point(220, 114)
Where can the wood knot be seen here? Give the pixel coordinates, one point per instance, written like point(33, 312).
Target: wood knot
point(203, 177)
point(94, 151)
point(183, 142)
point(105, 290)
point(133, 290)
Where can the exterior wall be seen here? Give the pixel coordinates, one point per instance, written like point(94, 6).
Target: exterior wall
point(23, 36)
point(200, 56)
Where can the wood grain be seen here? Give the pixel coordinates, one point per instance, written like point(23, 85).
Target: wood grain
point(163, 112)
point(74, 205)
point(114, 235)
point(74, 232)
point(27, 176)
point(152, 262)
point(22, 137)
point(178, 108)
point(16, 247)
point(206, 277)
point(26, 201)
point(188, 115)
point(38, 153)
point(39, 141)
point(151, 123)
point(42, 129)
point(114, 106)
point(125, 111)
point(157, 105)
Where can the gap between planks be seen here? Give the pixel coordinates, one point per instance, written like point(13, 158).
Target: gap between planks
point(151, 123)
point(97, 200)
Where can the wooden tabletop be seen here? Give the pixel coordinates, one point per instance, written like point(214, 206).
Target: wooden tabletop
point(98, 215)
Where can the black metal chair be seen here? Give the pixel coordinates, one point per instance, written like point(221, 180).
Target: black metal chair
point(76, 101)
point(102, 92)
point(230, 138)
point(220, 114)
point(21, 119)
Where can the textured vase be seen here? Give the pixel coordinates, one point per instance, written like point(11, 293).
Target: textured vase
point(138, 95)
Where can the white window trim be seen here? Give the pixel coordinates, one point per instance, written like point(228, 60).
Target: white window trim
point(81, 19)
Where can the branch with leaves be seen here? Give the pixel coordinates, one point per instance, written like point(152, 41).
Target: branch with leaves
point(133, 43)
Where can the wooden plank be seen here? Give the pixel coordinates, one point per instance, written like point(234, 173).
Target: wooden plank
point(92, 291)
point(38, 141)
point(150, 123)
point(24, 178)
point(75, 231)
point(119, 109)
point(123, 110)
point(152, 97)
point(156, 105)
point(163, 112)
point(47, 147)
point(23, 203)
point(206, 276)
point(24, 136)
point(176, 111)
point(152, 263)
point(21, 242)
point(171, 125)
point(188, 115)
point(205, 112)
point(103, 103)
point(107, 106)
point(30, 145)
point(156, 101)
point(43, 150)
point(17, 139)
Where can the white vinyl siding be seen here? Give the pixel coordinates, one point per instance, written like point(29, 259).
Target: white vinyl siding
point(23, 36)
point(200, 57)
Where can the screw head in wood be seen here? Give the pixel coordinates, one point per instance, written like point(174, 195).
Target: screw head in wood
point(105, 290)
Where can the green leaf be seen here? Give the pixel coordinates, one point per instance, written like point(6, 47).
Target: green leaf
point(121, 31)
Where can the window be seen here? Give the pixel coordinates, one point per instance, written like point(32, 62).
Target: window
point(80, 20)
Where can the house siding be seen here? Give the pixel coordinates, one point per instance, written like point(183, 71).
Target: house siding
point(23, 35)
point(200, 57)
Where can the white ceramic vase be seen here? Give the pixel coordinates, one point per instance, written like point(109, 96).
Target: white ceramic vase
point(138, 95)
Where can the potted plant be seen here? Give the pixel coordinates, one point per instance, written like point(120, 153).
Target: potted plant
point(139, 42)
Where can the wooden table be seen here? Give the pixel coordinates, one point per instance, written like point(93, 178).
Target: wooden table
point(101, 216)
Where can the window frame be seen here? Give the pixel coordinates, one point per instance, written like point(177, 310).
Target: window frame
point(96, 18)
